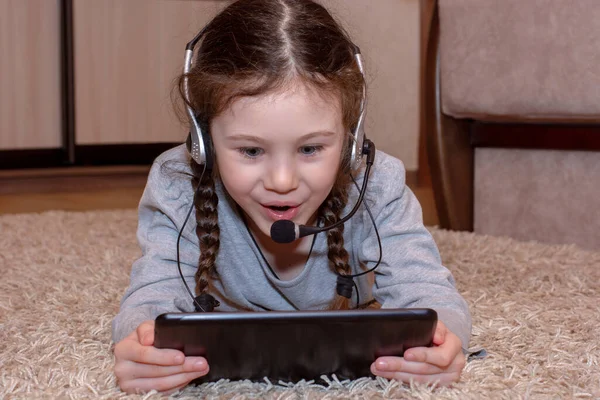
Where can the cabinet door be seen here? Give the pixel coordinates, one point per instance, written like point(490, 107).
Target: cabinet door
point(388, 34)
point(127, 54)
point(30, 98)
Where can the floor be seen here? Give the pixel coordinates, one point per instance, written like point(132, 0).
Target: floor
point(105, 188)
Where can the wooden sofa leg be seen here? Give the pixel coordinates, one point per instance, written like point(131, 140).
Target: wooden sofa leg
point(449, 150)
point(451, 163)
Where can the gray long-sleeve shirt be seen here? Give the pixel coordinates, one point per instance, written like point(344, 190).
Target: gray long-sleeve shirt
point(410, 274)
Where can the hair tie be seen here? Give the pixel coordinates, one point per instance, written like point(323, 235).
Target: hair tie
point(205, 303)
point(344, 286)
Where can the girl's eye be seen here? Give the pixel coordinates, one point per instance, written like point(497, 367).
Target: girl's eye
point(310, 150)
point(251, 152)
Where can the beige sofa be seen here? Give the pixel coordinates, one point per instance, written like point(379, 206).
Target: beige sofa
point(511, 114)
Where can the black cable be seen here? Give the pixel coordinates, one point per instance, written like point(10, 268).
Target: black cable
point(265, 259)
point(378, 242)
point(350, 276)
point(378, 239)
point(179, 238)
point(261, 253)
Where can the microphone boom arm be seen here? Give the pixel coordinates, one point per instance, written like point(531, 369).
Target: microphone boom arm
point(369, 150)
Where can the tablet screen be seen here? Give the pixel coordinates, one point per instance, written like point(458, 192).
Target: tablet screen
point(291, 346)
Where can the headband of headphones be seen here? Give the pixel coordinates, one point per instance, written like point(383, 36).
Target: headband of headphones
point(199, 144)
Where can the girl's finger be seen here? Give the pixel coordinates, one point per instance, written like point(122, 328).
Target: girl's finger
point(131, 350)
point(443, 379)
point(130, 370)
point(440, 334)
point(441, 356)
point(399, 364)
point(145, 333)
point(175, 389)
point(164, 384)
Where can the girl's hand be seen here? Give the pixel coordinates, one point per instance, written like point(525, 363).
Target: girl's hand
point(141, 367)
point(442, 363)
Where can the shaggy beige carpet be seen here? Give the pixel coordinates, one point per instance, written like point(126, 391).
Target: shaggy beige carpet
point(535, 310)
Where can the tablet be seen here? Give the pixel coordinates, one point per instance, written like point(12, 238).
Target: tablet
point(292, 346)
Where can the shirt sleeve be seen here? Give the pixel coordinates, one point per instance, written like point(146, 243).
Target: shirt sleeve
point(155, 285)
point(411, 273)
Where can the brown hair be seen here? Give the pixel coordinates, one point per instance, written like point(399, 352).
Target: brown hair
point(255, 47)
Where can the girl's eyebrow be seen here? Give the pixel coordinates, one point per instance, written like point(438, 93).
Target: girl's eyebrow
point(242, 137)
point(251, 138)
point(318, 134)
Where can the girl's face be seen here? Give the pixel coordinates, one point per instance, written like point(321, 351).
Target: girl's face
point(278, 154)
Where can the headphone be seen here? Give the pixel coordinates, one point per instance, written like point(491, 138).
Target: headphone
point(199, 144)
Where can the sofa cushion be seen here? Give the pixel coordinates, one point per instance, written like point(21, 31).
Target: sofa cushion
point(550, 196)
point(506, 60)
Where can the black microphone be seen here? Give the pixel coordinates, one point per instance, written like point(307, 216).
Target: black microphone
point(286, 231)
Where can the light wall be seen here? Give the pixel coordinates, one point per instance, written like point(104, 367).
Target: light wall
point(388, 31)
point(117, 74)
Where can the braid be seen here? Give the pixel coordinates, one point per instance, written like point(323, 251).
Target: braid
point(330, 213)
point(207, 226)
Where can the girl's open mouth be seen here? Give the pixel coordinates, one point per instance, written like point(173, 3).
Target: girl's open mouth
point(281, 212)
point(282, 208)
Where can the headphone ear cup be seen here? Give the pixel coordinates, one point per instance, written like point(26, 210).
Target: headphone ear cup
point(356, 148)
point(199, 144)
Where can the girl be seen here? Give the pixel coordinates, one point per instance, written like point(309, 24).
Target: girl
point(278, 87)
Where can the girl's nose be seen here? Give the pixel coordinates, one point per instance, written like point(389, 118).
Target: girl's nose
point(282, 178)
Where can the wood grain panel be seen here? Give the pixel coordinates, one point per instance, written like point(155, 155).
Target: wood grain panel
point(30, 99)
point(128, 52)
point(127, 55)
point(388, 34)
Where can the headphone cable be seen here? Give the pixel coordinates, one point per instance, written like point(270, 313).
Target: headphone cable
point(378, 243)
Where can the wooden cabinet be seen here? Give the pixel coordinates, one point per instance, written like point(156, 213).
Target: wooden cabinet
point(30, 94)
point(125, 59)
point(127, 54)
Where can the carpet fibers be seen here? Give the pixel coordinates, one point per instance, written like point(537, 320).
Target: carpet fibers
point(536, 310)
